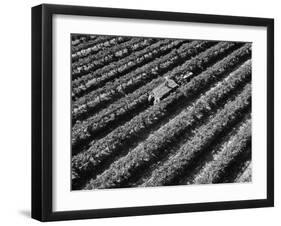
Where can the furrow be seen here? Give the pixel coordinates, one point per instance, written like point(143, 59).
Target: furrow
point(246, 176)
point(235, 166)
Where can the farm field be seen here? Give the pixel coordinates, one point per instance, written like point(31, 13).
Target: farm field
point(156, 112)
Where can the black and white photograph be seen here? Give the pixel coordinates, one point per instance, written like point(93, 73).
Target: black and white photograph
point(141, 112)
point(149, 111)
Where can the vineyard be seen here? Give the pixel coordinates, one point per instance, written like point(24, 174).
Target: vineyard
point(154, 112)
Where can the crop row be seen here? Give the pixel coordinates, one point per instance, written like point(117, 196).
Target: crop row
point(89, 43)
point(157, 143)
point(218, 69)
point(190, 68)
point(234, 79)
point(95, 61)
point(201, 160)
point(228, 151)
point(116, 69)
point(77, 39)
point(91, 126)
point(129, 83)
point(128, 104)
point(125, 107)
point(196, 64)
point(136, 79)
point(246, 176)
point(102, 150)
point(85, 60)
point(113, 54)
point(96, 46)
point(203, 136)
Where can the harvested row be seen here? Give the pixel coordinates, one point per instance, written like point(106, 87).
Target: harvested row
point(202, 137)
point(102, 58)
point(96, 46)
point(145, 119)
point(212, 171)
point(125, 106)
point(93, 80)
point(134, 80)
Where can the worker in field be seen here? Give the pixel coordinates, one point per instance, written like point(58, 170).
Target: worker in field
point(168, 82)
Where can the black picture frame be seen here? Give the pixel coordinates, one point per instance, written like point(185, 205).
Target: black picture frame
point(42, 111)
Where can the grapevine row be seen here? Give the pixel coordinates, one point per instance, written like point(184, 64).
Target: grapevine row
point(196, 64)
point(148, 151)
point(207, 155)
point(115, 70)
point(218, 69)
point(137, 125)
point(202, 137)
point(135, 79)
point(85, 60)
point(242, 74)
point(211, 172)
point(190, 68)
point(77, 39)
point(85, 45)
point(118, 49)
point(130, 82)
point(215, 72)
point(122, 108)
point(95, 61)
point(96, 46)
point(128, 104)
